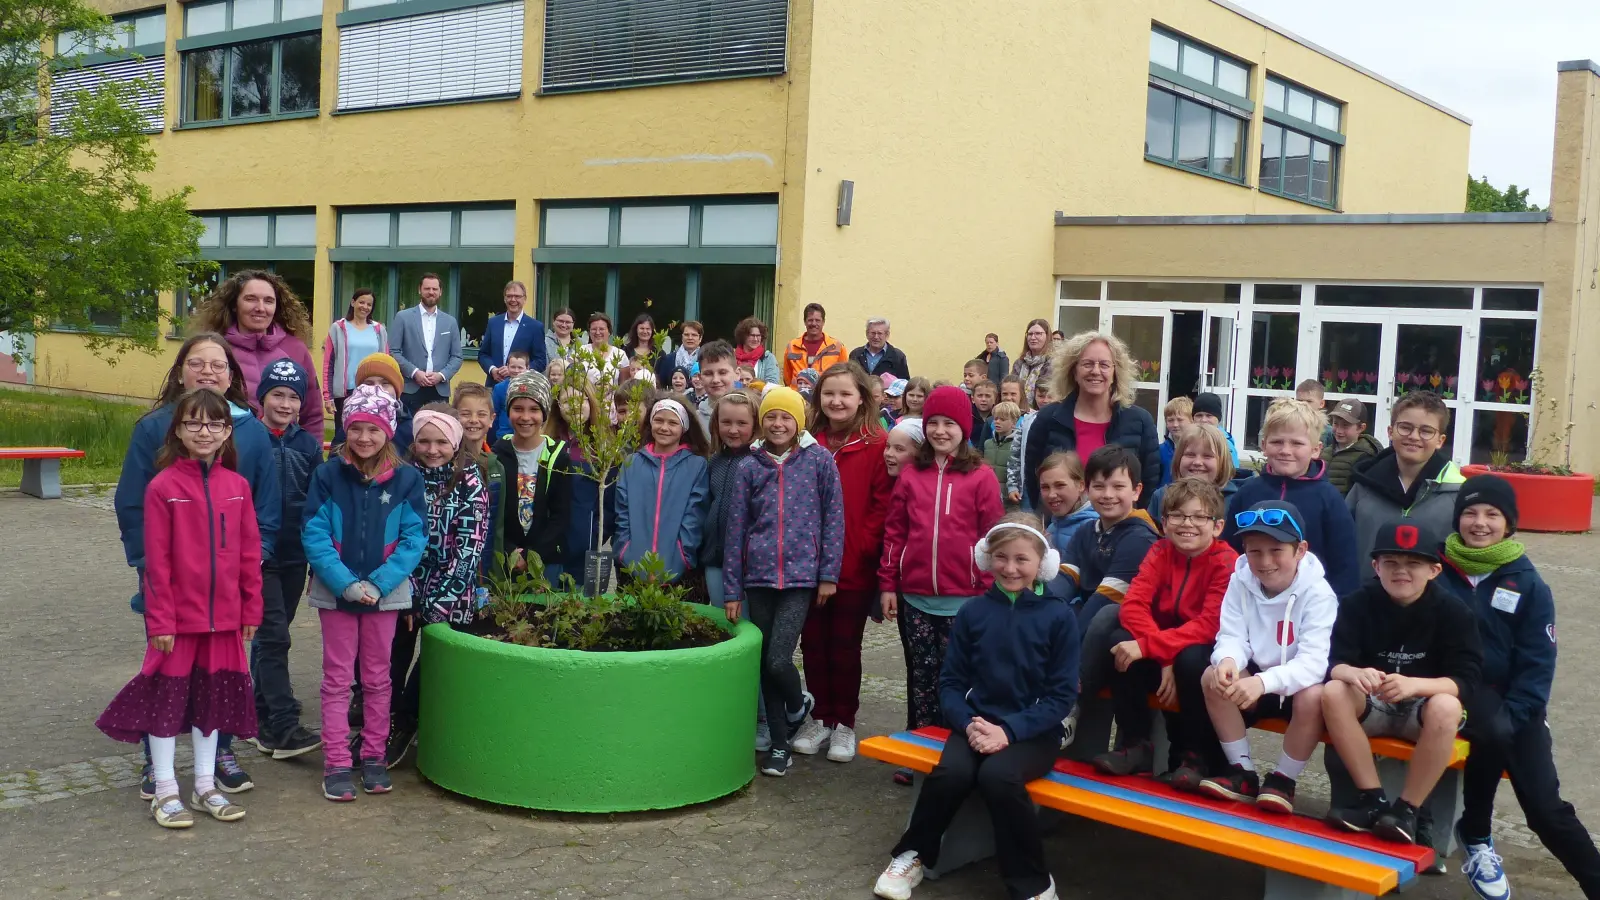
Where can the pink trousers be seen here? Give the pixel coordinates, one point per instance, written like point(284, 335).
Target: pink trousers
point(347, 636)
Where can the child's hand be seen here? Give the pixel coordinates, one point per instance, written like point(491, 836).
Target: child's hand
point(1227, 672)
point(1126, 654)
point(1167, 690)
point(1246, 692)
point(162, 642)
point(1015, 496)
point(1397, 688)
point(888, 599)
point(732, 609)
point(1364, 680)
point(249, 632)
point(825, 590)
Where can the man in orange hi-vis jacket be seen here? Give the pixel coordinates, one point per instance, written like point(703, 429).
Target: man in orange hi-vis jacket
point(814, 349)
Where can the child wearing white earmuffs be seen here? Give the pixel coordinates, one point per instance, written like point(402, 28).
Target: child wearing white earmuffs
point(1010, 676)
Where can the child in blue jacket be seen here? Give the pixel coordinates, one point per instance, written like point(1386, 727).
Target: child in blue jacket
point(661, 493)
point(1010, 676)
point(1506, 713)
point(784, 546)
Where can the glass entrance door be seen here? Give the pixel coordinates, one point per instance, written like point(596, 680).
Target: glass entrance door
point(1218, 358)
point(1149, 339)
point(1377, 363)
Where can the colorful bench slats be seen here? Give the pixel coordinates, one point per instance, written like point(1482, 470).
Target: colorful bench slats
point(40, 453)
point(1390, 748)
point(1295, 845)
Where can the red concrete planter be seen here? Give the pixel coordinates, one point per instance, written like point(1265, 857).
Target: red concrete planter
point(1547, 502)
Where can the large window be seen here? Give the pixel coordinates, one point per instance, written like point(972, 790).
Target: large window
point(389, 251)
point(597, 44)
point(389, 58)
point(282, 241)
point(251, 60)
point(1197, 108)
point(1301, 141)
point(133, 54)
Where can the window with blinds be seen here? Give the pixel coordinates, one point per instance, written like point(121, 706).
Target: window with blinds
point(152, 72)
point(460, 54)
point(595, 44)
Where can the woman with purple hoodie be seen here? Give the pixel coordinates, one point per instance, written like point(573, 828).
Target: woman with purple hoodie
point(785, 545)
point(263, 321)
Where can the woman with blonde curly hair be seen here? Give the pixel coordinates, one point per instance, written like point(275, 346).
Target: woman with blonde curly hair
point(1094, 375)
point(263, 321)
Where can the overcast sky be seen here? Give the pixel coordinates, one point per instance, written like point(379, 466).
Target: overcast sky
point(1493, 61)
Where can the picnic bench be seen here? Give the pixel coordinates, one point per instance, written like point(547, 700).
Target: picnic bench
point(41, 468)
point(1302, 857)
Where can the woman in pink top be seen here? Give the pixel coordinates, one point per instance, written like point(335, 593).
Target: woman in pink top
point(262, 319)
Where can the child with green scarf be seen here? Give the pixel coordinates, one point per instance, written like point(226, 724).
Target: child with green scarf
point(1506, 714)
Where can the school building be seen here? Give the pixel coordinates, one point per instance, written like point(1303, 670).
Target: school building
point(1231, 198)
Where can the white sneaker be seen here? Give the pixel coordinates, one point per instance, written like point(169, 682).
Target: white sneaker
point(1049, 892)
point(763, 737)
point(810, 738)
point(842, 746)
point(903, 874)
point(1069, 727)
point(1485, 873)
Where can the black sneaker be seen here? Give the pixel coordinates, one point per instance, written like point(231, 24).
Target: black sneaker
point(231, 777)
point(1425, 839)
point(1398, 823)
point(297, 742)
point(1137, 759)
point(401, 740)
point(1238, 783)
point(1363, 815)
point(375, 777)
point(338, 786)
point(1189, 774)
point(776, 763)
point(1277, 794)
point(807, 704)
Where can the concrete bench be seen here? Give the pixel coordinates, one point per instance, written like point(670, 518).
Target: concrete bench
point(41, 468)
point(1302, 857)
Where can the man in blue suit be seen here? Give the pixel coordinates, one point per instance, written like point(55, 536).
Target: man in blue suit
point(512, 331)
point(426, 342)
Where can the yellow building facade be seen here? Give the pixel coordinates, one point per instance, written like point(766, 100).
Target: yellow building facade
point(694, 167)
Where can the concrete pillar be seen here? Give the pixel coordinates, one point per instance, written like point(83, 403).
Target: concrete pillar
point(1567, 420)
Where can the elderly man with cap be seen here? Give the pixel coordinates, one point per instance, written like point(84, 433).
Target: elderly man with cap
point(1351, 442)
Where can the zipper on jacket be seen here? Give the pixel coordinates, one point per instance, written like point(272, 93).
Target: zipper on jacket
point(1177, 599)
point(780, 526)
point(224, 531)
point(211, 529)
point(938, 488)
point(661, 482)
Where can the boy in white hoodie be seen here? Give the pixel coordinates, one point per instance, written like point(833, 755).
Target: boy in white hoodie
point(1277, 625)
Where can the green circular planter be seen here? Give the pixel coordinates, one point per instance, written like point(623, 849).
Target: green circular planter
point(576, 731)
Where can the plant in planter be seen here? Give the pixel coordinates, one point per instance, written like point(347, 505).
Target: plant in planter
point(1550, 496)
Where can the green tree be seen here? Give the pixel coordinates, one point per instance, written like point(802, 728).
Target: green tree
point(1485, 197)
point(82, 237)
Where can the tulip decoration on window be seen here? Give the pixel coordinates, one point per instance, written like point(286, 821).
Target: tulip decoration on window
point(1443, 385)
point(1349, 381)
point(1508, 387)
point(1148, 371)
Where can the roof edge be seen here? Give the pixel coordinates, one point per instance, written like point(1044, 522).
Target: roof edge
point(1468, 218)
point(1578, 65)
point(1266, 23)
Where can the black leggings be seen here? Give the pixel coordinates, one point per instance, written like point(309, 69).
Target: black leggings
point(780, 615)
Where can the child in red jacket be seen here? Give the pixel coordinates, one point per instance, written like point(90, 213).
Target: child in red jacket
point(844, 419)
point(1169, 619)
point(202, 593)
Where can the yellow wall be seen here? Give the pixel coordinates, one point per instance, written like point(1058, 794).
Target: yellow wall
point(972, 126)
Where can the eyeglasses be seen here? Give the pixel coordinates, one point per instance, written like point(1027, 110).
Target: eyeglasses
point(200, 365)
point(1093, 365)
point(195, 426)
point(1407, 429)
point(1271, 517)
point(1181, 519)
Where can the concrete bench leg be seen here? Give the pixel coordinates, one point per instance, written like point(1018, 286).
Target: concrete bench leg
point(42, 478)
point(1283, 886)
point(1444, 804)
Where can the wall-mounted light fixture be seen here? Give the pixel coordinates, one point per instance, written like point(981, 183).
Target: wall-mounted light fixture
point(847, 194)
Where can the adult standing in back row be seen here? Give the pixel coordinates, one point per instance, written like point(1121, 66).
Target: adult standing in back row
point(1034, 365)
point(999, 363)
point(263, 321)
point(1094, 377)
point(427, 345)
point(878, 356)
point(350, 340)
point(508, 332)
point(814, 349)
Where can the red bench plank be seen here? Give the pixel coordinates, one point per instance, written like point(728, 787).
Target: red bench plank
point(40, 453)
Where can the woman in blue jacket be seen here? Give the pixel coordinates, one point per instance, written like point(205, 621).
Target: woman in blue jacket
point(661, 493)
point(204, 360)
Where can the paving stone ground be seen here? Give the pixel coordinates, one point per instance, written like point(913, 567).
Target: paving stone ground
point(71, 824)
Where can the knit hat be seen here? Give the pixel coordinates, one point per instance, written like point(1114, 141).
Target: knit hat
point(283, 372)
point(532, 386)
point(368, 403)
point(382, 364)
point(1490, 489)
point(806, 381)
point(1208, 403)
point(786, 399)
point(952, 403)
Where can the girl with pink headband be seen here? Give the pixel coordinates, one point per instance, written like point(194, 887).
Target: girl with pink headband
point(661, 494)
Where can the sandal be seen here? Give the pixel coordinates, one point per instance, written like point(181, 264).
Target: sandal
point(217, 805)
point(169, 812)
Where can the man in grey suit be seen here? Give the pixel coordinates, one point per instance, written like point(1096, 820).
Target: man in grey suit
point(426, 342)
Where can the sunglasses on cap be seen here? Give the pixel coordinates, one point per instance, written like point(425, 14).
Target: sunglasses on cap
point(1272, 517)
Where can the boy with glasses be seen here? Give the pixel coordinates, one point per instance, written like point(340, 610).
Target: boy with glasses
point(1406, 658)
point(1414, 479)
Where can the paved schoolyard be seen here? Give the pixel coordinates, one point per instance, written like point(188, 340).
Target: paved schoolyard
point(71, 824)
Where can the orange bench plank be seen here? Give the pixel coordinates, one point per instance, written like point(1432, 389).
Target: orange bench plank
point(40, 453)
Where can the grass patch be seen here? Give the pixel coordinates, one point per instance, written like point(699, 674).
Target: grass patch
point(100, 428)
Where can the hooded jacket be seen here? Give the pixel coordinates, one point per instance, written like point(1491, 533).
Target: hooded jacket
point(1342, 461)
point(1434, 637)
point(1329, 529)
point(719, 478)
point(1102, 560)
point(936, 516)
point(1061, 530)
point(257, 351)
point(661, 508)
point(295, 453)
point(1286, 636)
point(251, 442)
point(1013, 661)
point(1517, 628)
point(458, 530)
point(865, 482)
point(1175, 600)
point(552, 504)
point(1375, 496)
point(203, 556)
point(786, 521)
point(1053, 429)
point(361, 530)
point(997, 450)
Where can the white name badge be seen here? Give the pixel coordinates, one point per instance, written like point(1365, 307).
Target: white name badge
point(1505, 601)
